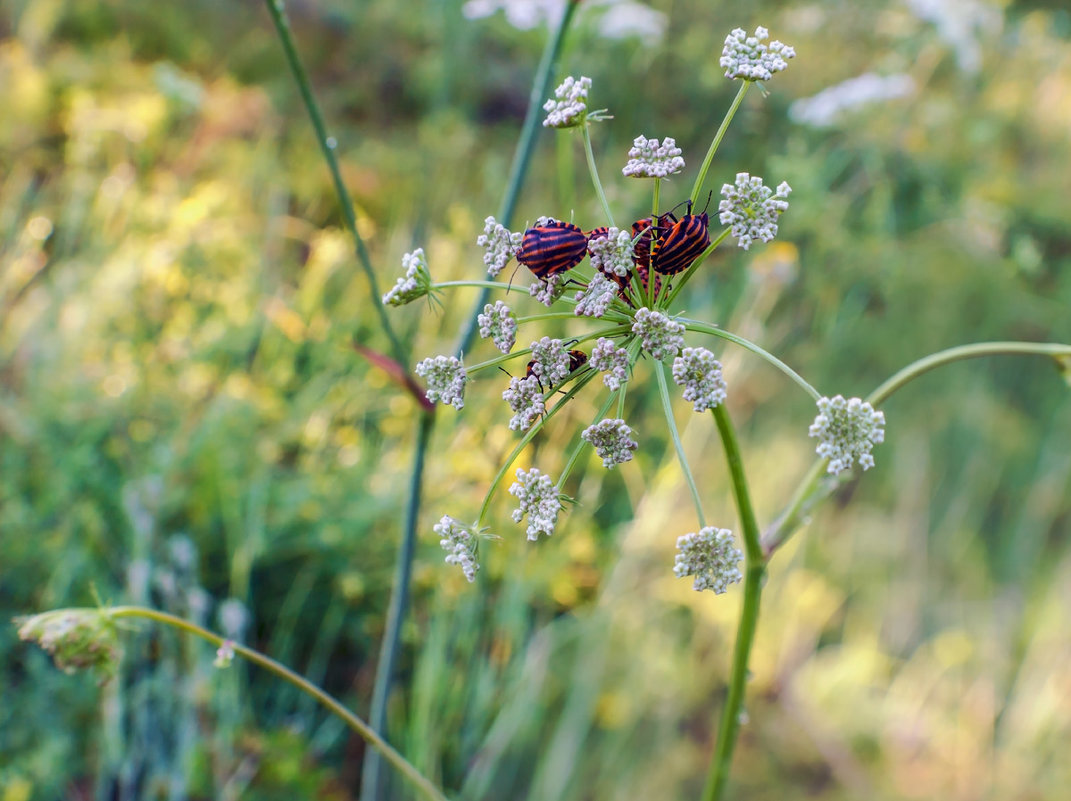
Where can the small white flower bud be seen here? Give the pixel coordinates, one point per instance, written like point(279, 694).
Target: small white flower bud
point(416, 283)
point(597, 297)
point(752, 209)
point(525, 398)
point(539, 500)
point(847, 430)
point(460, 544)
point(711, 557)
point(612, 252)
point(498, 322)
point(649, 159)
point(699, 373)
point(499, 244)
point(660, 335)
point(748, 57)
point(446, 379)
point(612, 441)
point(569, 106)
point(612, 360)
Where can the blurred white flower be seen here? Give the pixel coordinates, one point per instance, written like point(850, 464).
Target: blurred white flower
point(824, 108)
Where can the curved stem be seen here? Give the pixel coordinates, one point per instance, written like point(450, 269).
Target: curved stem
point(282, 29)
point(522, 156)
point(399, 602)
point(585, 130)
point(702, 177)
point(713, 330)
point(749, 613)
point(667, 406)
point(427, 789)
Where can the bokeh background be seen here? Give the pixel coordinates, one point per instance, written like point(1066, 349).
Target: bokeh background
point(184, 423)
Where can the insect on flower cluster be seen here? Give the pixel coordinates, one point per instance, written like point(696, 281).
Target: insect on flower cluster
point(624, 280)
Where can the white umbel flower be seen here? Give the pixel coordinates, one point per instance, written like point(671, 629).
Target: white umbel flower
point(569, 106)
point(446, 379)
point(539, 500)
point(612, 441)
point(612, 252)
point(752, 209)
point(416, 283)
point(711, 556)
point(548, 290)
point(498, 322)
point(847, 430)
point(525, 398)
point(460, 543)
point(499, 245)
point(660, 335)
point(550, 361)
point(648, 158)
point(612, 360)
point(595, 299)
point(699, 373)
point(750, 58)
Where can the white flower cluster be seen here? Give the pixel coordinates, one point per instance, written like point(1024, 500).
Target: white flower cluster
point(711, 557)
point(647, 158)
point(569, 106)
point(699, 373)
point(596, 298)
point(612, 252)
point(498, 322)
point(416, 283)
point(612, 360)
point(446, 379)
point(612, 441)
point(847, 430)
point(748, 57)
point(525, 398)
point(538, 499)
point(550, 361)
point(499, 244)
point(752, 209)
point(460, 545)
point(661, 336)
point(548, 290)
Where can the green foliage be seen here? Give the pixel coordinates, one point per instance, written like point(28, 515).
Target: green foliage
point(183, 419)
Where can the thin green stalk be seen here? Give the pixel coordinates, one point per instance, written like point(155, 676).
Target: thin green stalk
point(399, 602)
point(749, 613)
point(702, 177)
point(585, 129)
point(817, 486)
point(488, 285)
point(713, 330)
point(655, 200)
point(575, 455)
point(426, 788)
point(528, 437)
point(282, 29)
point(522, 156)
point(667, 406)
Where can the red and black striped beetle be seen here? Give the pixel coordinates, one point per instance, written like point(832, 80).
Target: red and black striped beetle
point(680, 245)
point(552, 248)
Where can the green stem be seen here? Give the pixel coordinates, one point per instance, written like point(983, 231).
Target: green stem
point(702, 177)
point(667, 406)
point(488, 285)
point(575, 455)
point(585, 130)
point(522, 156)
point(580, 384)
point(282, 28)
point(713, 330)
point(399, 602)
point(427, 789)
point(749, 613)
point(816, 485)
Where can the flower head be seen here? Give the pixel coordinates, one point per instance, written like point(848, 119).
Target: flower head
point(498, 322)
point(847, 430)
point(460, 544)
point(649, 159)
point(224, 654)
point(446, 379)
point(612, 441)
point(699, 373)
point(416, 283)
point(550, 361)
point(711, 557)
point(596, 297)
point(612, 253)
point(748, 57)
point(76, 639)
point(548, 290)
point(539, 500)
point(525, 398)
point(569, 107)
point(499, 244)
point(752, 209)
point(612, 360)
point(661, 336)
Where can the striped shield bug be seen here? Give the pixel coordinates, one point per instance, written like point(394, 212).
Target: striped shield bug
point(552, 248)
point(680, 245)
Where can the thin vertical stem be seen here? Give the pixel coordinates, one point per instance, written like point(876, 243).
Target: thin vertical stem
point(585, 129)
point(702, 177)
point(749, 613)
point(667, 406)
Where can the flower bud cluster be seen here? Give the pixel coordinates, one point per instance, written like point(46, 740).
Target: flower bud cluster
point(499, 244)
point(699, 373)
point(612, 253)
point(525, 398)
point(612, 360)
point(539, 500)
point(446, 379)
point(76, 639)
point(711, 556)
point(460, 543)
point(569, 107)
point(748, 57)
point(416, 283)
point(594, 300)
point(847, 430)
point(649, 159)
point(660, 335)
point(612, 441)
point(550, 361)
point(498, 322)
point(548, 290)
point(752, 209)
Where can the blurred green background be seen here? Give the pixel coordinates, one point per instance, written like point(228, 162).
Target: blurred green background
point(184, 424)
